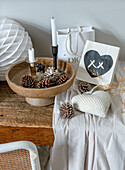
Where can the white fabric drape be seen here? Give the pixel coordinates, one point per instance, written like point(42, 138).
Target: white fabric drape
point(88, 142)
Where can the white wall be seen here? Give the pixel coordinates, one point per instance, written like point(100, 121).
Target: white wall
point(107, 16)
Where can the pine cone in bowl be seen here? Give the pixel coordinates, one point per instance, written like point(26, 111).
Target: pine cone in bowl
point(27, 81)
point(66, 110)
point(51, 72)
point(62, 79)
point(45, 83)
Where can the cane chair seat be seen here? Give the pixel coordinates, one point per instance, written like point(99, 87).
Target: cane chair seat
point(18, 159)
point(22, 155)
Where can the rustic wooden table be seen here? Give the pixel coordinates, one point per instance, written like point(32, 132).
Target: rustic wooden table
point(21, 121)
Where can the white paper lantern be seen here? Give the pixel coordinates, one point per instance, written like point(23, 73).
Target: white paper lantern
point(14, 44)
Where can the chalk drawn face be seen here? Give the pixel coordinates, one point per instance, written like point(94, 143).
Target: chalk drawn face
point(97, 65)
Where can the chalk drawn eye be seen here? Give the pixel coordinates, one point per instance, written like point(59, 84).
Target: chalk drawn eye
point(92, 64)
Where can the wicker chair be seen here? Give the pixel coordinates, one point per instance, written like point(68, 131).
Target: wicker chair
point(22, 155)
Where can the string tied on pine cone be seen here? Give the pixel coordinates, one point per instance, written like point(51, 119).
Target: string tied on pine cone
point(66, 110)
point(27, 81)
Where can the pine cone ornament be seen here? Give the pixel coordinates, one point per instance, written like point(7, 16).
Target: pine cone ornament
point(66, 110)
point(27, 81)
point(40, 67)
point(45, 83)
point(51, 72)
point(84, 87)
point(62, 79)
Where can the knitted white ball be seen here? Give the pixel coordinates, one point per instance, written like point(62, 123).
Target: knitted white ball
point(14, 44)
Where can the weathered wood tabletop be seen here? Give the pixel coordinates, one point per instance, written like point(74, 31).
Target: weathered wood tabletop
point(21, 121)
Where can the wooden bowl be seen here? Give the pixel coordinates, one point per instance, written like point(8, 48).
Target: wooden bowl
point(35, 96)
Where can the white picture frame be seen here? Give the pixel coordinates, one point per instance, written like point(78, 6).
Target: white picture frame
point(97, 63)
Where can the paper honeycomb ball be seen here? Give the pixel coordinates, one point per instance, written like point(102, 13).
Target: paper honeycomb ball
point(14, 44)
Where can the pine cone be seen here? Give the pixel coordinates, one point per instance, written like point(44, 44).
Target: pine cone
point(40, 67)
point(45, 83)
point(84, 87)
point(66, 110)
point(27, 81)
point(51, 72)
point(53, 81)
point(62, 79)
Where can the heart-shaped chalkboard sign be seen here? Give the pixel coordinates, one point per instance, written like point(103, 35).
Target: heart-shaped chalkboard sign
point(97, 65)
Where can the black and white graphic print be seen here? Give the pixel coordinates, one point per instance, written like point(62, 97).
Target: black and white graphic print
point(97, 65)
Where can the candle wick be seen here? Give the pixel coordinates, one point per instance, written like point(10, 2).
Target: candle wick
point(52, 17)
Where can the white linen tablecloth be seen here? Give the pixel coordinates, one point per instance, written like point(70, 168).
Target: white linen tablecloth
point(88, 142)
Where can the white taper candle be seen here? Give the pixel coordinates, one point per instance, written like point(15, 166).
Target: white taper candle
point(31, 55)
point(54, 34)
